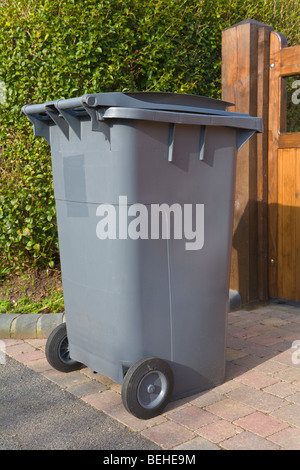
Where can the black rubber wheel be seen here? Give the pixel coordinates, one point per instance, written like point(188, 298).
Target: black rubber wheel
point(57, 350)
point(147, 387)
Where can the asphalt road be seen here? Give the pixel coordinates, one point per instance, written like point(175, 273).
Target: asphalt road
point(36, 414)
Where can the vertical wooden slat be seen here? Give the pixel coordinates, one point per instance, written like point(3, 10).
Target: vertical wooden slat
point(287, 261)
point(242, 238)
point(297, 224)
point(229, 79)
point(229, 66)
point(235, 89)
point(279, 228)
point(252, 155)
point(277, 41)
point(245, 83)
point(262, 162)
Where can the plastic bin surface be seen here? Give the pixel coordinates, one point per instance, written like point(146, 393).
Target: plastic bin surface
point(144, 200)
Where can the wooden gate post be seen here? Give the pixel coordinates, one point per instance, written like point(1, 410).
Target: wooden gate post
point(245, 75)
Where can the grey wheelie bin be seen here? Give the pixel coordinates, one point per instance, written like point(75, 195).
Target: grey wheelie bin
point(144, 189)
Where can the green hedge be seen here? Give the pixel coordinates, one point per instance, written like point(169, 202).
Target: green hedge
point(52, 49)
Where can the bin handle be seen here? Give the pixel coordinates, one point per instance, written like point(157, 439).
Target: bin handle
point(171, 139)
point(61, 113)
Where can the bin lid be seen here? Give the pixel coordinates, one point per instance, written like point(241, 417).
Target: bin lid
point(139, 100)
point(174, 108)
point(158, 100)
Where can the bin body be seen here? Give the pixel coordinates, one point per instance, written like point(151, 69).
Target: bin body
point(166, 296)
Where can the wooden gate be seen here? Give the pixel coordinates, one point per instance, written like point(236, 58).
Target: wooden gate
point(284, 169)
point(261, 76)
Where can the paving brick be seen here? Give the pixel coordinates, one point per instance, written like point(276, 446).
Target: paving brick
point(257, 399)
point(12, 341)
point(288, 439)
point(168, 435)
point(192, 417)
point(30, 356)
point(248, 441)
point(96, 376)
point(281, 308)
point(265, 340)
point(39, 365)
point(229, 409)
point(119, 413)
point(116, 387)
point(37, 343)
point(244, 334)
point(235, 343)
point(291, 329)
point(250, 318)
point(248, 361)
point(282, 389)
point(198, 443)
point(258, 350)
point(294, 316)
point(270, 367)
point(274, 321)
point(234, 370)
point(176, 404)
point(18, 349)
point(292, 374)
point(279, 347)
point(290, 336)
point(237, 314)
point(65, 379)
point(268, 330)
point(263, 310)
point(232, 354)
point(219, 431)
point(226, 387)
point(261, 424)
point(256, 379)
point(284, 357)
point(232, 320)
point(289, 413)
point(206, 398)
point(295, 398)
point(103, 400)
point(86, 388)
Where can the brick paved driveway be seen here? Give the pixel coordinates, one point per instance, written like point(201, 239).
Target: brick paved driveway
point(258, 406)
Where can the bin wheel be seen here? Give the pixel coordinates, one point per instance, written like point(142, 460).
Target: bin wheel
point(57, 350)
point(147, 387)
